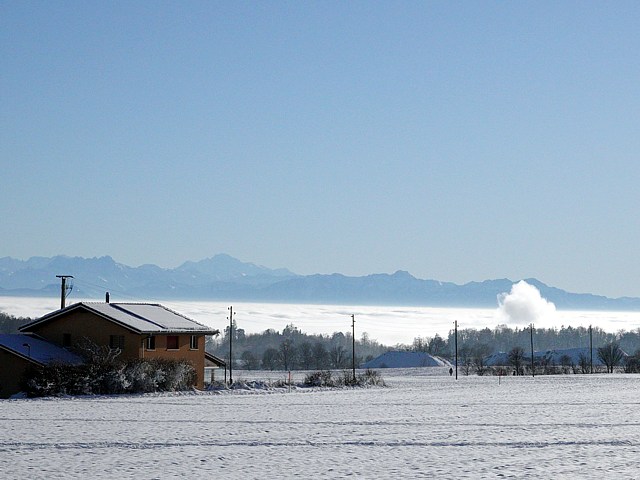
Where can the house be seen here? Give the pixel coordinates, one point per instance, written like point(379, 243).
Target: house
point(19, 352)
point(138, 330)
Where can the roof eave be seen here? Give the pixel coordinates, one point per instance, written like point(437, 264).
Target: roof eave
point(22, 356)
point(51, 316)
point(180, 332)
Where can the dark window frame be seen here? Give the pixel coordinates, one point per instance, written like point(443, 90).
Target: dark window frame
point(116, 342)
point(193, 342)
point(173, 340)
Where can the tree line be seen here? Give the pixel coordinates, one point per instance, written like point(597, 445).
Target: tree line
point(11, 324)
point(291, 349)
point(621, 349)
point(502, 338)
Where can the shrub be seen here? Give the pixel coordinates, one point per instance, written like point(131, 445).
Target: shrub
point(371, 377)
point(324, 378)
point(632, 364)
point(135, 376)
point(321, 378)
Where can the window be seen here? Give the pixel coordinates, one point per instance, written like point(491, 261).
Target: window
point(172, 342)
point(151, 343)
point(66, 339)
point(193, 344)
point(116, 341)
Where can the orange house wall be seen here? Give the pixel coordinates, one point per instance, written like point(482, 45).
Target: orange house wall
point(196, 357)
point(81, 323)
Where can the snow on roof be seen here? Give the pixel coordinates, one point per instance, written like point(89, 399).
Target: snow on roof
point(405, 360)
point(36, 349)
point(140, 317)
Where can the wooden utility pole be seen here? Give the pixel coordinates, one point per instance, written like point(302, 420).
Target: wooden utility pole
point(353, 346)
point(533, 371)
point(63, 289)
point(591, 347)
point(456, 346)
point(230, 345)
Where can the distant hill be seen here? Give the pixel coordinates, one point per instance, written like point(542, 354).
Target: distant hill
point(225, 278)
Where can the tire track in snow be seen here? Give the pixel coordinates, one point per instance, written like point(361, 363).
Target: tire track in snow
point(16, 446)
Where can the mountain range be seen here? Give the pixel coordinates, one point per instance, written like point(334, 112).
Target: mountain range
point(224, 278)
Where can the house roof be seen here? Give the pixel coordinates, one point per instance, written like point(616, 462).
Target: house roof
point(395, 359)
point(37, 350)
point(149, 318)
point(217, 361)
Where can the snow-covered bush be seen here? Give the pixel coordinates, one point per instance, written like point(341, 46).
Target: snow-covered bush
point(174, 375)
point(371, 377)
point(324, 378)
point(321, 378)
point(102, 373)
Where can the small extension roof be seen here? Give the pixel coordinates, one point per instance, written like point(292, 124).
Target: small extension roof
point(143, 318)
point(216, 361)
point(37, 350)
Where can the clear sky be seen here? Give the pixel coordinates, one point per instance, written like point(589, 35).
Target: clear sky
point(460, 141)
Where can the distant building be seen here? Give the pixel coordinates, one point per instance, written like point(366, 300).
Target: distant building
point(398, 359)
point(138, 330)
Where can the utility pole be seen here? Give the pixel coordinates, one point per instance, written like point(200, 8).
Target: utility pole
point(63, 289)
point(353, 346)
point(230, 345)
point(456, 346)
point(591, 346)
point(533, 372)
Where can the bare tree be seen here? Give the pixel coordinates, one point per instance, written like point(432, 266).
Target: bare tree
point(287, 354)
point(584, 362)
point(611, 355)
point(305, 355)
point(320, 356)
point(249, 361)
point(270, 359)
point(337, 356)
point(516, 358)
point(480, 352)
point(465, 359)
point(548, 365)
point(632, 364)
point(566, 363)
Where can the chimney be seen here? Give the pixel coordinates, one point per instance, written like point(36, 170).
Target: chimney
point(106, 297)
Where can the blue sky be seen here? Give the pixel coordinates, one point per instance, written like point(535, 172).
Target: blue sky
point(459, 141)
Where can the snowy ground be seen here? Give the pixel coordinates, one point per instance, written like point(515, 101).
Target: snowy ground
point(421, 426)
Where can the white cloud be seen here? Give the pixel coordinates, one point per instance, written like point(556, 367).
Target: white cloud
point(524, 305)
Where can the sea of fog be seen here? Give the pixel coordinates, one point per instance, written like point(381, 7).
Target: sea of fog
point(388, 325)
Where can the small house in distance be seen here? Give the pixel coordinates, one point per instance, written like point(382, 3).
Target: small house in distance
point(138, 330)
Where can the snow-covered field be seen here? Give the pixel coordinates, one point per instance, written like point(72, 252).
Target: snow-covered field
point(423, 425)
